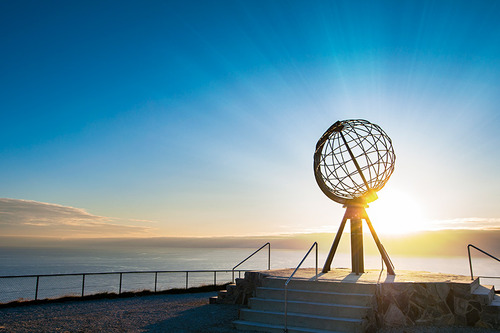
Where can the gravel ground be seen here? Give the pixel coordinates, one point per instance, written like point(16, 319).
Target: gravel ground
point(158, 313)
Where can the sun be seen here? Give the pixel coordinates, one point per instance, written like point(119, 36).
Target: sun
point(396, 212)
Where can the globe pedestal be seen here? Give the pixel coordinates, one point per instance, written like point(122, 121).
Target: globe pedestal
point(357, 260)
point(356, 213)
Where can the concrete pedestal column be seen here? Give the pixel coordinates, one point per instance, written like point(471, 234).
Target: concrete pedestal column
point(357, 261)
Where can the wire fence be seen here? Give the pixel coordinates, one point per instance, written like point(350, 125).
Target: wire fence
point(53, 286)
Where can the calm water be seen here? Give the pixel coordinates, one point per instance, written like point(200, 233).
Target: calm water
point(15, 261)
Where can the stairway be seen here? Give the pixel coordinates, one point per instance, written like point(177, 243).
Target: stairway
point(235, 293)
point(312, 307)
point(483, 293)
point(490, 302)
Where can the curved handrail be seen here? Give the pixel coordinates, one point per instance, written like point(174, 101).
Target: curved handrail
point(291, 276)
point(260, 248)
point(470, 259)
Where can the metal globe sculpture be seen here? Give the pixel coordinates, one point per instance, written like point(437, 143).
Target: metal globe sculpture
point(353, 160)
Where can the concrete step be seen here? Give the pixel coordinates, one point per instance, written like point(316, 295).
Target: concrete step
point(273, 328)
point(344, 287)
point(484, 294)
point(320, 309)
point(474, 285)
point(222, 294)
point(303, 320)
point(239, 281)
point(230, 287)
point(492, 312)
point(316, 296)
point(496, 301)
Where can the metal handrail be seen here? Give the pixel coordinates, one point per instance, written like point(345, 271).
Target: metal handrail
point(260, 248)
point(291, 276)
point(121, 273)
point(470, 259)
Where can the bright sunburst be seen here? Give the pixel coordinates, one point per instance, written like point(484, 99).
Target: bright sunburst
point(396, 212)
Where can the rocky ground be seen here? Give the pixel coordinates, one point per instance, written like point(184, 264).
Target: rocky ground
point(157, 313)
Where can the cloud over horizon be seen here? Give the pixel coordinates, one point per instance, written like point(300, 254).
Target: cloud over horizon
point(26, 218)
point(468, 223)
point(33, 218)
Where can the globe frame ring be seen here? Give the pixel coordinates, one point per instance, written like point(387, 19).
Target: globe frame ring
point(370, 146)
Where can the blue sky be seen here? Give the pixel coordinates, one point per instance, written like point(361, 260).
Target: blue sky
point(200, 118)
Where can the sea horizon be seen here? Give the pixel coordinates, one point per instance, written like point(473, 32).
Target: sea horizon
point(39, 261)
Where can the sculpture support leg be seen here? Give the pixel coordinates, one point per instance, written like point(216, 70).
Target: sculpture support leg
point(328, 262)
point(356, 214)
point(357, 261)
point(381, 249)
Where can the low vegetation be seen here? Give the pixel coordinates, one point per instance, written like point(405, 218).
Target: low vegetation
point(107, 295)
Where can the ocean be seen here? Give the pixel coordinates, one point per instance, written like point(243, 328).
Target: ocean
point(37, 261)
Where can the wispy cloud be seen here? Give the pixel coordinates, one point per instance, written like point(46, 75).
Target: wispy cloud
point(145, 221)
point(469, 223)
point(474, 223)
point(33, 218)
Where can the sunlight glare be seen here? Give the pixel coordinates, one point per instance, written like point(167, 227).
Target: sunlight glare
point(396, 212)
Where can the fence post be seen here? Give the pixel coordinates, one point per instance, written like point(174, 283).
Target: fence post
point(269, 257)
point(156, 279)
point(215, 278)
point(470, 262)
point(83, 284)
point(120, 290)
point(36, 289)
point(316, 262)
point(187, 274)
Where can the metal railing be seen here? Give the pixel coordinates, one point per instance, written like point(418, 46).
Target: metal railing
point(470, 262)
point(260, 248)
point(77, 284)
point(22, 283)
point(315, 244)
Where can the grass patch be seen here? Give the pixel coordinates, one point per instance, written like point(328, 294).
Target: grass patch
point(128, 294)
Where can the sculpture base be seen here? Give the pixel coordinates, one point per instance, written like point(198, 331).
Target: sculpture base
point(409, 299)
point(356, 213)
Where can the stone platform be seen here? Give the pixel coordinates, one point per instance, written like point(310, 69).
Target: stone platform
point(410, 298)
point(370, 276)
point(418, 298)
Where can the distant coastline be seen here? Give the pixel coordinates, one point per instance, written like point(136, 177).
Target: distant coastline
point(428, 243)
